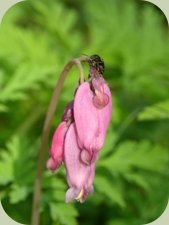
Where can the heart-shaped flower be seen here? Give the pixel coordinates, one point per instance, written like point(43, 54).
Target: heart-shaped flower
point(81, 134)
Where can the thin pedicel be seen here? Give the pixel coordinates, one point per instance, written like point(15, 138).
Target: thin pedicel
point(80, 135)
point(45, 133)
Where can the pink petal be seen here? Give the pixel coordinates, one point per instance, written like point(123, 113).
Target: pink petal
point(86, 157)
point(52, 164)
point(86, 117)
point(100, 99)
point(71, 194)
point(91, 121)
point(90, 190)
point(79, 175)
point(68, 113)
point(104, 117)
point(57, 147)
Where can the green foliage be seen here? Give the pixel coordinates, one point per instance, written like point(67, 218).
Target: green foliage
point(20, 175)
point(132, 171)
point(157, 111)
point(111, 190)
point(132, 154)
point(64, 213)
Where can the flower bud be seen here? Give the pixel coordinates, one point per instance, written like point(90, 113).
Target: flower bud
point(57, 147)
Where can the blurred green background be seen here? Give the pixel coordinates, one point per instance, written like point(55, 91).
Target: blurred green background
point(37, 38)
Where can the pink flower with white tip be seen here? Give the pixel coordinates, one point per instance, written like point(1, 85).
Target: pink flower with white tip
point(81, 134)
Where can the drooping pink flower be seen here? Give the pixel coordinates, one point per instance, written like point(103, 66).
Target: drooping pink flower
point(92, 121)
point(57, 147)
point(79, 176)
point(81, 134)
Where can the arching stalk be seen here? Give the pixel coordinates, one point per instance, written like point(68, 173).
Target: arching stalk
point(45, 134)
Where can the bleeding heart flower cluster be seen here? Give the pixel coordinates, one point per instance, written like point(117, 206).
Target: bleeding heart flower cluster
point(81, 134)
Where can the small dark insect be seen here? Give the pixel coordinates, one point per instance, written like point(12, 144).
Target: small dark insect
point(96, 62)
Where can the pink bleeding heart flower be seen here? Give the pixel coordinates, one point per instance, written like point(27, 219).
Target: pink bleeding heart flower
point(57, 147)
point(92, 114)
point(79, 176)
point(82, 132)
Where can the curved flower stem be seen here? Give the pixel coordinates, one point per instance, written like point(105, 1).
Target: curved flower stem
point(45, 134)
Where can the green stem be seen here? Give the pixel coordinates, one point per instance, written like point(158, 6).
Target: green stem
point(45, 134)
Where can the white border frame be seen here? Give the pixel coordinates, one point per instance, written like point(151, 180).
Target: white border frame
point(5, 5)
